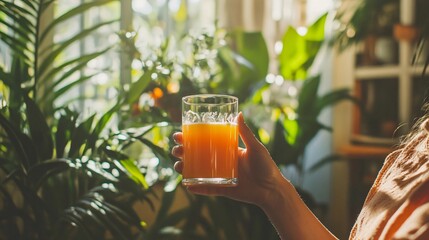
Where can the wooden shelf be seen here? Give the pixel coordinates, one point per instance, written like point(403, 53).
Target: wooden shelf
point(364, 163)
point(365, 152)
point(387, 71)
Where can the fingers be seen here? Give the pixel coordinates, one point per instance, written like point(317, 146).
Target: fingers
point(178, 137)
point(178, 166)
point(246, 134)
point(177, 151)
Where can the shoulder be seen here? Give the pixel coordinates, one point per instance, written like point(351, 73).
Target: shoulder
point(411, 220)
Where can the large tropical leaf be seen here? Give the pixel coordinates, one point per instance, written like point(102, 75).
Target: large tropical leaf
point(333, 97)
point(40, 131)
point(308, 96)
point(65, 129)
point(99, 127)
point(137, 87)
point(244, 63)
point(80, 135)
point(300, 50)
point(22, 145)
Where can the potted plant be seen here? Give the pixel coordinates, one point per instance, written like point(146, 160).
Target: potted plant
point(366, 19)
point(376, 24)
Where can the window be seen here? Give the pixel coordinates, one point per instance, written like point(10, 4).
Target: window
point(152, 21)
point(99, 89)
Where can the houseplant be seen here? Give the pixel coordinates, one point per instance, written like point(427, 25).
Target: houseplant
point(214, 61)
point(368, 19)
point(63, 175)
point(72, 168)
point(221, 60)
point(374, 23)
point(287, 120)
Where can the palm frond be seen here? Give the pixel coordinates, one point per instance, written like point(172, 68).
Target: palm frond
point(80, 9)
point(60, 47)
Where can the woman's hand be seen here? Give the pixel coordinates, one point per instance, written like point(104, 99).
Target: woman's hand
point(261, 183)
point(258, 174)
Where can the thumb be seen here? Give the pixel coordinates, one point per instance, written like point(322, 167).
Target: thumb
point(246, 134)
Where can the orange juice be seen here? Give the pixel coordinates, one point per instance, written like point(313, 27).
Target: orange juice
point(210, 150)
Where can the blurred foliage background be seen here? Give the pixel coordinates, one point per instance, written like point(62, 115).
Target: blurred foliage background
point(87, 117)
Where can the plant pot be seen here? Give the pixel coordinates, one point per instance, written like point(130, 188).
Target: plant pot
point(386, 50)
point(405, 33)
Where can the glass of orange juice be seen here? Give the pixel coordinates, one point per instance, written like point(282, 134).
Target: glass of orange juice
point(210, 139)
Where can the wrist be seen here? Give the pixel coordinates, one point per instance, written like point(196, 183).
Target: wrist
point(276, 193)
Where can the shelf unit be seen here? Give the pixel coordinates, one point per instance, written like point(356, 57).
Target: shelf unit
point(350, 182)
point(388, 80)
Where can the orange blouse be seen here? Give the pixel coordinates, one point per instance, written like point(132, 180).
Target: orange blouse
point(397, 206)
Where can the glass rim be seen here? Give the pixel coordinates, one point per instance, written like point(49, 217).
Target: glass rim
point(209, 95)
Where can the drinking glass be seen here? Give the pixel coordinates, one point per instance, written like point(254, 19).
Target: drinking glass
point(210, 139)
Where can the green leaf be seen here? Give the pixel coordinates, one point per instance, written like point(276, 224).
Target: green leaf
point(80, 136)
point(59, 48)
point(80, 9)
point(138, 87)
point(38, 206)
point(223, 219)
point(308, 96)
point(18, 32)
point(42, 171)
point(32, 4)
point(293, 55)
point(99, 127)
point(134, 172)
point(40, 131)
point(20, 16)
point(279, 148)
point(125, 213)
point(97, 210)
point(57, 93)
point(316, 31)
point(166, 204)
point(10, 213)
point(19, 141)
point(309, 129)
point(244, 64)
point(65, 128)
point(18, 46)
point(160, 152)
point(252, 47)
point(299, 51)
point(19, 76)
point(113, 154)
point(76, 215)
point(292, 129)
point(332, 98)
point(80, 61)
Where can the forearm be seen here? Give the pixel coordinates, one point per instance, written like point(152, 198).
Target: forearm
point(290, 216)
